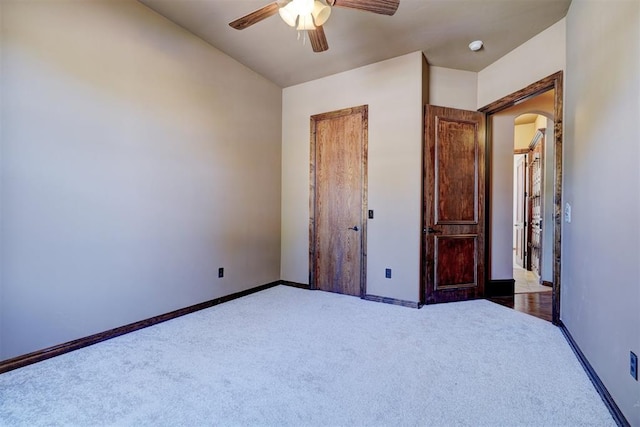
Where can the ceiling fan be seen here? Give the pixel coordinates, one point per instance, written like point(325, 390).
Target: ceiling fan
point(310, 15)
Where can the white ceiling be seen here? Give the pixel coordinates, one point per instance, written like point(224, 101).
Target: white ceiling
point(442, 29)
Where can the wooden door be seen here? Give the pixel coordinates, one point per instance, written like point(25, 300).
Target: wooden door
point(453, 205)
point(520, 211)
point(535, 202)
point(338, 201)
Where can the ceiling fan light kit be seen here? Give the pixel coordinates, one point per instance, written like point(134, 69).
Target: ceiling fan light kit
point(310, 15)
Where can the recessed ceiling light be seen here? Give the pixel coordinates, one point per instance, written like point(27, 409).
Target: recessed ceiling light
point(475, 45)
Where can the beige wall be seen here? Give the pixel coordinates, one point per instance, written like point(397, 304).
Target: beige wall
point(136, 160)
point(539, 57)
point(393, 91)
point(601, 246)
point(501, 216)
point(453, 88)
point(522, 135)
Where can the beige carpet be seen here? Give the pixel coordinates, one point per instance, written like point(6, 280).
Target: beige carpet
point(287, 356)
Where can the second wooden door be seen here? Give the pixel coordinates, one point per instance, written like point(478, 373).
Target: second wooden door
point(453, 205)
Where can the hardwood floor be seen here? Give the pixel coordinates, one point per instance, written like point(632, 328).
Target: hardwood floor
point(537, 304)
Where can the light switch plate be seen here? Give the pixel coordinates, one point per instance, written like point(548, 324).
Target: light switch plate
point(567, 213)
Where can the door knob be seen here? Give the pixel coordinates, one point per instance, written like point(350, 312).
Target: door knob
point(354, 228)
point(432, 230)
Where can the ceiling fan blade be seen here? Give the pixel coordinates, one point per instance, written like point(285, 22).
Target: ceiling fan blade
point(256, 16)
point(383, 7)
point(318, 39)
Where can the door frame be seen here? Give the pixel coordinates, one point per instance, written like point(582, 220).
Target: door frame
point(364, 111)
point(555, 82)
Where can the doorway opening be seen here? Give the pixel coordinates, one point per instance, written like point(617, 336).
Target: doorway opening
point(500, 244)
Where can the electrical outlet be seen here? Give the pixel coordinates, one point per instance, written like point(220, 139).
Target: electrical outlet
point(633, 365)
point(221, 272)
point(387, 273)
